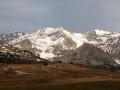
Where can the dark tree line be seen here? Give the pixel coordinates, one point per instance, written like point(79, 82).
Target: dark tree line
point(15, 58)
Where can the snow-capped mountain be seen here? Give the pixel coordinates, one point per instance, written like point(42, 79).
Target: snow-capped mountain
point(7, 37)
point(50, 42)
point(107, 41)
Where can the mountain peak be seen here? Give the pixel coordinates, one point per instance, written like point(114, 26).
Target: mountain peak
point(6, 37)
point(98, 32)
point(50, 30)
point(101, 32)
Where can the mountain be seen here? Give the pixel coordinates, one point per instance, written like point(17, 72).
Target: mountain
point(88, 55)
point(107, 41)
point(49, 43)
point(7, 37)
point(10, 54)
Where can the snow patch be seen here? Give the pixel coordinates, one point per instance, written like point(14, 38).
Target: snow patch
point(79, 39)
point(47, 55)
point(101, 32)
point(117, 61)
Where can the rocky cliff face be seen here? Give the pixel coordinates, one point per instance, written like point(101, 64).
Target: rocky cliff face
point(88, 55)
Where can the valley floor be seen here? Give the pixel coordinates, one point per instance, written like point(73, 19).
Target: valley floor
point(56, 77)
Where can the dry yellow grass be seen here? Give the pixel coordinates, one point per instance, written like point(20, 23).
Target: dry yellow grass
point(53, 74)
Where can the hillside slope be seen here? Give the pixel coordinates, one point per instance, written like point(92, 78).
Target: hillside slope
point(10, 54)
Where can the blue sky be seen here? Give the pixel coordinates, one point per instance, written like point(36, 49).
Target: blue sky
point(75, 15)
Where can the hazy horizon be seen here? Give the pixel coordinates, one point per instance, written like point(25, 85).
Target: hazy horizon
point(75, 15)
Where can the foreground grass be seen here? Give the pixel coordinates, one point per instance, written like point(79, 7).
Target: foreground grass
point(100, 85)
point(59, 77)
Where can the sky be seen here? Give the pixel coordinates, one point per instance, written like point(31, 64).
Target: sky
point(74, 15)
